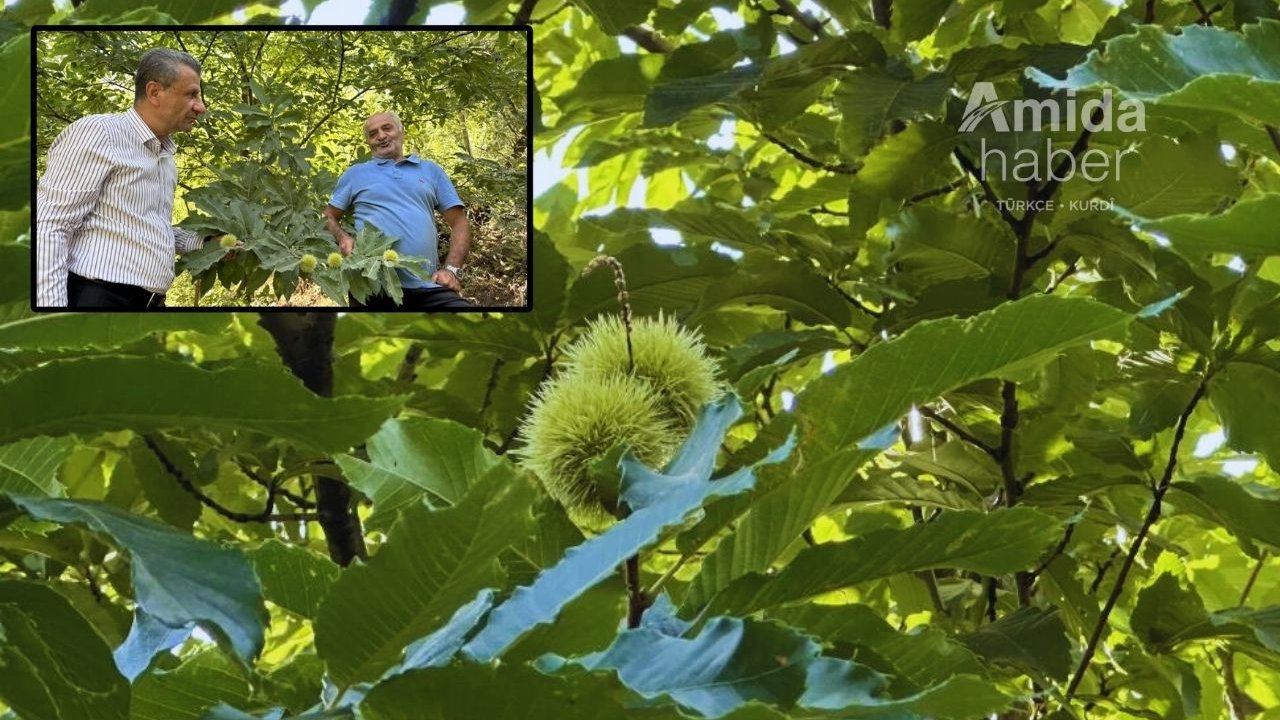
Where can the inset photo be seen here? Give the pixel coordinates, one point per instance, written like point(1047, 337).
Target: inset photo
point(285, 167)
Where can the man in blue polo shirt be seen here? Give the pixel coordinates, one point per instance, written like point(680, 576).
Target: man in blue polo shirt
point(399, 195)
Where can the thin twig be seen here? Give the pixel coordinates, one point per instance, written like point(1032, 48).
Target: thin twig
point(1150, 15)
point(930, 580)
point(279, 490)
point(853, 300)
point(492, 385)
point(991, 599)
point(810, 23)
point(92, 582)
point(960, 432)
point(267, 514)
point(1102, 571)
point(1043, 253)
point(967, 165)
point(1066, 273)
point(1274, 134)
point(1204, 14)
point(1153, 514)
point(1253, 577)
point(841, 168)
point(549, 363)
point(637, 601)
point(553, 13)
point(178, 36)
point(1062, 546)
point(624, 298)
point(936, 191)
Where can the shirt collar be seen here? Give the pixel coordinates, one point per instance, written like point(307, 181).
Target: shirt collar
point(411, 157)
point(144, 133)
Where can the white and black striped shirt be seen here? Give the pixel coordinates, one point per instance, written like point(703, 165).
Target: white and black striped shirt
point(104, 208)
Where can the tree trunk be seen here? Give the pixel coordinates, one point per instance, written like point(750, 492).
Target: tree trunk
point(466, 136)
point(305, 343)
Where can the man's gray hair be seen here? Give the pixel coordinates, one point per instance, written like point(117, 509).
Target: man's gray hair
point(395, 119)
point(160, 65)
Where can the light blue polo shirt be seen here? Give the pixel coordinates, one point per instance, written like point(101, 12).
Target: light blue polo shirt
point(399, 199)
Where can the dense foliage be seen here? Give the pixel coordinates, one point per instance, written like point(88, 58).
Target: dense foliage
point(977, 459)
point(285, 116)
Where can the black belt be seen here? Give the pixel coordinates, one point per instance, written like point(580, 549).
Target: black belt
point(135, 294)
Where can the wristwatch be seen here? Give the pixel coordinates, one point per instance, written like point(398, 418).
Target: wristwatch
point(457, 271)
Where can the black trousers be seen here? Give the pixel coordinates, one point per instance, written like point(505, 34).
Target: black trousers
point(436, 298)
point(85, 293)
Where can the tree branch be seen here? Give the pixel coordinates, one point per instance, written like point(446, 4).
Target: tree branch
point(853, 300)
point(1204, 14)
point(1150, 15)
point(409, 366)
point(967, 165)
point(882, 12)
point(553, 13)
point(1153, 514)
point(337, 83)
point(809, 22)
point(549, 363)
point(637, 601)
point(1058, 174)
point(279, 489)
point(1043, 253)
point(1102, 571)
point(305, 344)
point(268, 511)
point(1066, 273)
point(936, 191)
point(399, 12)
point(960, 432)
point(1274, 134)
point(992, 598)
point(930, 580)
point(1253, 577)
point(1061, 547)
point(525, 13)
point(842, 168)
point(178, 36)
point(647, 39)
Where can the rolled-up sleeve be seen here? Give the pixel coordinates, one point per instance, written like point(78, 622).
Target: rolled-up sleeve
point(186, 241)
point(78, 166)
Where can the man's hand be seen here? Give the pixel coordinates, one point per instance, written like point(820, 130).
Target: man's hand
point(346, 244)
point(447, 279)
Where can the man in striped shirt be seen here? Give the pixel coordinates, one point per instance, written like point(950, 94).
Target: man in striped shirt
point(104, 206)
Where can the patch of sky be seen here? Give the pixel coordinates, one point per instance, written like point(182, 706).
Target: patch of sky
point(724, 138)
point(1209, 442)
point(666, 237)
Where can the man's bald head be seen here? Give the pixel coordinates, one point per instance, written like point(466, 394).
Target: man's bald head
point(384, 133)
